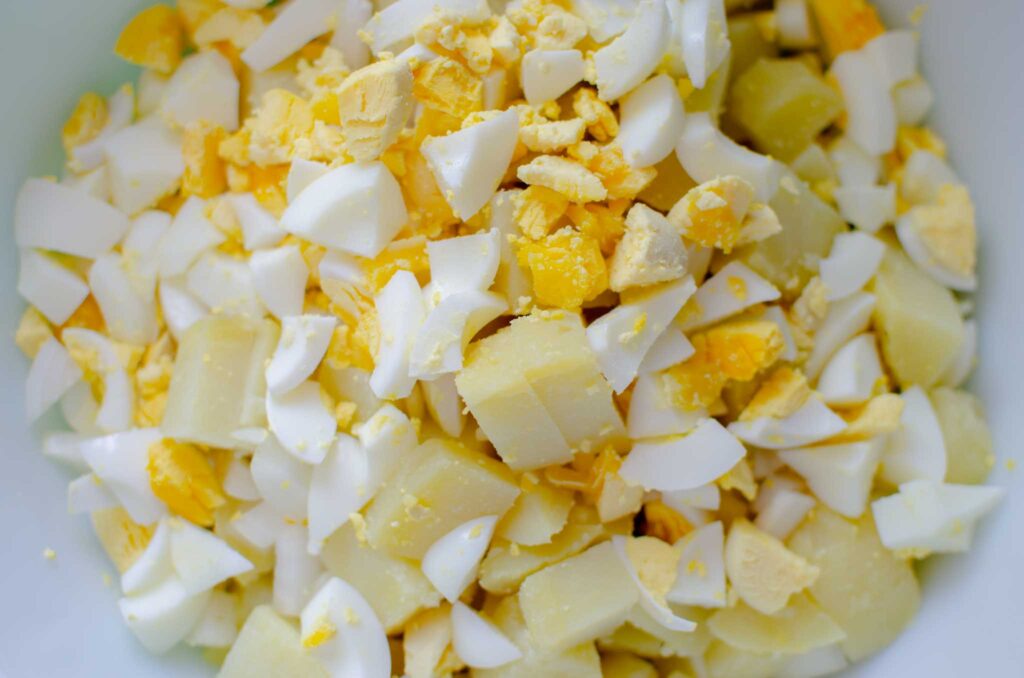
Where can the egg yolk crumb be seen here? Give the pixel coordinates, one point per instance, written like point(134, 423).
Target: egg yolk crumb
point(846, 24)
point(182, 477)
point(153, 39)
point(566, 266)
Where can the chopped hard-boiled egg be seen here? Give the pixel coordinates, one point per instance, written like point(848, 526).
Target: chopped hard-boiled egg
point(627, 60)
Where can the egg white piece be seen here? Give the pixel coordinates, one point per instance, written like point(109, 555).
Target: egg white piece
point(923, 175)
point(478, 642)
point(871, 113)
point(895, 55)
point(152, 566)
point(217, 626)
point(783, 512)
point(400, 313)
point(203, 87)
point(448, 328)
point(129, 313)
point(670, 348)
point(346, 267)
point(962, 364)
point(140, 249)
point(853, 165)
point(359, 648)
point(851, 375)
point(239, 483)
point(53, 217)
point(627, 60)
point(908, 229)
point(547, 74)
point(294, 26)
point(706, 153)
point(917, 450)
point(279, 278)
point(259, 227)
point(356, 208)
point(120, 460)
point(704, 38)
point(225, 284)
point(189, 236)
point(794, 24)
point(511, 279)
point(86, 494)
point(444, 404)
point(116, 411)
point(53, 289)
point(821, 661)
point(845, 319)
point(812, 423)
point(94, 183)
point(451, 563)
point(349, 21)
point(716, 299)
point(468, 164)
point(301, 174)
point(395, 25)
point(605, 18)
point(654, 414)
point(163, 616)
point(65, 447)
point(121, 108)
point(151, 86)
point(179, 307)
point(869, 208)
point(462, 264)
point(52, 373)
point(259, 526)
point(79, 409)
point(303, 344)
point(933, 517)
point(840, 476)
point(700, 579)
point(660, 613)
point(776, 315)
point(853, 261)
point(683, 463)
point(417, 54)
point(813, 164)
point(302, 423)
point(282, 480)
point(706, 497)
point(145, 164)
point(296, 571)
point(651, 118)
point(200, 558)
point(622, 337)
point(913, 99)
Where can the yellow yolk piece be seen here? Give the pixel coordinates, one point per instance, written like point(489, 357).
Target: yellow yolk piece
point(354, 347)
point(373, 105)
point(87, 316)
point(538, 210)
point(571, 179)
point(449, 87)
point(603, 223)
point(182, 477)
point(153, 39)
point(664, 523)
point(846, 24)
point(240, 27)
point(410, 255)
point(280, 123)
point(205, 174)
point(740, 478)
point(697, 382)
point(85, 122)
point(948, 230)
point(267, 184)
point(656, 564)
point(620, 179)
point(194, 13)
point(712, 213)
point(599, 117)
point(33, 331)
point(878, 416)
point(548, 137)
point(567, 268)
point(779, 396)
point(762, 571)
point(741, 349)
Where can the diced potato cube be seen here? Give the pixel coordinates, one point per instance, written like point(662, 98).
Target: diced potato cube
point(269, 646)
point(505, 566)
point(725, 661)
point(798, 628)
point(784, 105)
point(537, 372)
point(578, 599)
point(917, 319)
point(395, 588)
point(669, 185)
point(789, 259)
point(748, 43)
point(539, 513)
point(218, 385)
point(866, 589)
point(442, 487)
point(621, 665)
point(580, 661)
point(965, 431)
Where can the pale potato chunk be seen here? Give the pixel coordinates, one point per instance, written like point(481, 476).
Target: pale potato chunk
point(622, 665)
point(539, 513)
point(644, 636)
point(579, 661)
point(724, 661)
point(867, 590)
point(395, 588)
point(917, 319)
point(506, 565)
point(799, 627)
point(218, 385)
point(965, 431)
point(443, 486)
point(578, 599)
point(268, 646)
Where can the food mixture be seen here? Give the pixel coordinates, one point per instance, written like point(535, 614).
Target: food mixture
point(557, 338)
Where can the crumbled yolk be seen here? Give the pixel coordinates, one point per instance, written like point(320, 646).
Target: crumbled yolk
point(240, 27)
point(600, 119)
point(567, 268)
point(205, 174)
point(846, 24)
point(352, 348)
point(267, 184)
point(878, 416)
point(409, 255)
point(194, 13)
point(152, 379)
point(620, 179)
point(697, 382)
point(664, 522)
point(153, 39)
point(586, 474)
point(742, 349)
point(548, 137)
point(538, 211)
point(910, 139)
point(712, 213)
point(33, 331)
point(779, 396)
point(280, 123)
point(570, 178)
point(762, 570)
point(429, 213)
point(741, 478)
point(449, 87)
point(373, 104)
point(85, 122)
point(87, 316)
point(323, 632)
point(656, 564)
point(449, 37)
point(182, 477)
point(948, 230)
point(603, 223)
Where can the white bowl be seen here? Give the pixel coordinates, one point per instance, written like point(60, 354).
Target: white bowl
point(58, 618)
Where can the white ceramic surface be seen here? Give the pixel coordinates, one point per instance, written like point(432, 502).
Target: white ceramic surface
point(58, 618)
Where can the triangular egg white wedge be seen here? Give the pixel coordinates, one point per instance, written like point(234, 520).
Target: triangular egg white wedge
point(547, 74)
point(120, 460)
point(400, 313)
point(303, 344)
point(116, 411)
point(871, 113)
point(840, 476)
point(52, 373)
point(191, 233)
point(200, 558)
point(86, 494)
point(700, 579)
point(451, 562)
point(652, 413)
point(281, 479)
point(658, 610)
point(852, 375)
point(627, 60)
point(717, 298)
point(869, 208)
point(342, 631)
point(917, 450)
point(296, 570)
point(853, 261)
point(163, 616)
point(179, 307)
point(299, 22)
point(651, 118)
point(50, 287)
point(145, 164)
point(810, 424)
point(783, 512)
point(259, 227)
point(683, 463)
point(706, 153)
point(845, 319)
point(53, 217)
point(463, 264)
point(704, 38)
point(225, 284)
point(478, 642)
point(302, 422)
point(448, 328)
point(394, 26)
point(279, 278)
point(130, 314)
point(203, 87)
